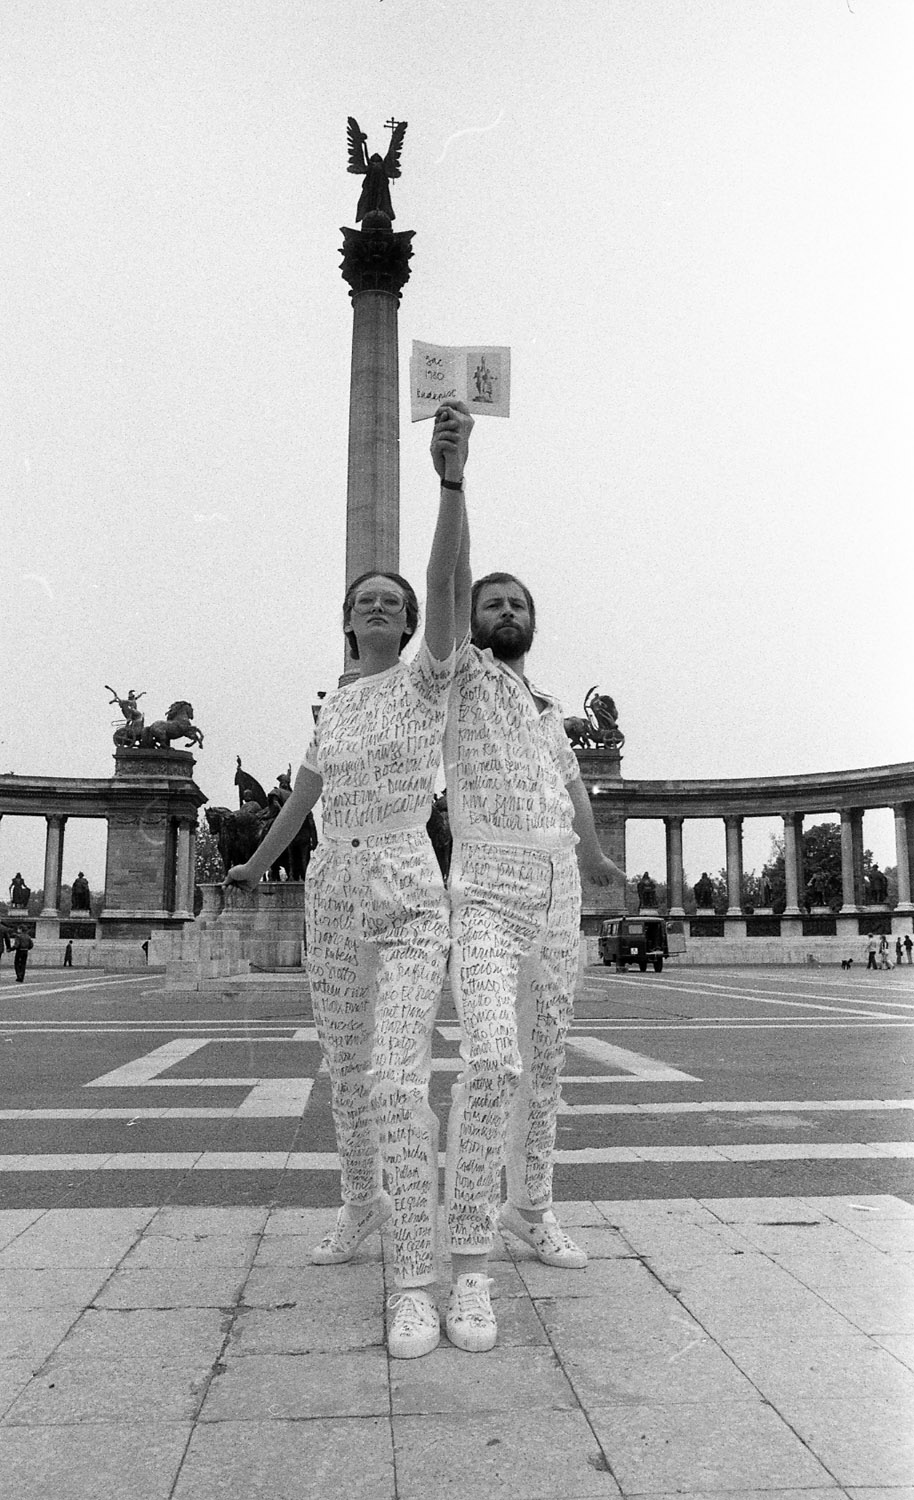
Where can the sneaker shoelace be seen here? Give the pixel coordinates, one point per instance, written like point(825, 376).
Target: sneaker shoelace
point(412, 1313)
point(473, 1305)
point(551, 1236)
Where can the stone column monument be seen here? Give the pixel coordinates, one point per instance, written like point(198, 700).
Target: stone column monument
point(376, 267)
point(597, 742)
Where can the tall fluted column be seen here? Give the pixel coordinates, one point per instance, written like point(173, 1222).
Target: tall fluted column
point(674, 875)
point(734, 827)
point(376, 266)
point(904, 839)
point(53, 863)
point(793, 862)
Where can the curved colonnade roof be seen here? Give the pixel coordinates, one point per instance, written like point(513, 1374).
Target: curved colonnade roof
point(749, 796)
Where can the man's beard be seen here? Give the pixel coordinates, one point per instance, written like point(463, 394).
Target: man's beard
point(506, 641)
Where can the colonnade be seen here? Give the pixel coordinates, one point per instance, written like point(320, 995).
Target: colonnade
point(847, 795)
point(852, 885)
point(178, 891)
point(150, 807)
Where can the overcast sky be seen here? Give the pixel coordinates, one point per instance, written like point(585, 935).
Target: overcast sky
point(689, 220)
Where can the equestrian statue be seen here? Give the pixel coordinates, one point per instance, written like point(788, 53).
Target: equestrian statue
point(238, 834)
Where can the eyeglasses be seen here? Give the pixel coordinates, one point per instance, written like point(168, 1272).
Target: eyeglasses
point(391, 603)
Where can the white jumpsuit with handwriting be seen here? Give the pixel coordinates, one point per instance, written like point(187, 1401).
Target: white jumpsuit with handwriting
point(515, 919)
point(378, 940)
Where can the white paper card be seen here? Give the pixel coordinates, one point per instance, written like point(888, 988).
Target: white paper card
point(479, 374)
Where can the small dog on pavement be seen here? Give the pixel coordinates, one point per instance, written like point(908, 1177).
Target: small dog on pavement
point(846, 963)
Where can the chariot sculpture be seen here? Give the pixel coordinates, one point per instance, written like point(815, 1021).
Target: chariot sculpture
point(135, 734)
point(599, 728)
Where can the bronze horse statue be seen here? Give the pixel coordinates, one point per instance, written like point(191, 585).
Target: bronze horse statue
point(136, 734)
point(599, 726)
point(176, 725)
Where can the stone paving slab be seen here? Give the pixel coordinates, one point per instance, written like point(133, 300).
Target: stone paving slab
point(727, 1348)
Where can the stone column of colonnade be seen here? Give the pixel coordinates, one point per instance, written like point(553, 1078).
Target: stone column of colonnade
point(734, 827)
point(53, 863)
point(904, 853)
point(851, 859)
point(793, 862)
point(184, 868)
point(674, 867)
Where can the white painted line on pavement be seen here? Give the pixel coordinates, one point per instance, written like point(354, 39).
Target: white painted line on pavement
point(163, 1113)
point(328, 1161)
point(29, 993)
point(632, 1064)
point(708, 990)
point(277, 1097)
point(738, 1106)
point(735, 1023)
point(302, 1090)
point(144, 1069)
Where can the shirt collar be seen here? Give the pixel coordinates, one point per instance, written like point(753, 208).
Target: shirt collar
point(537, 692)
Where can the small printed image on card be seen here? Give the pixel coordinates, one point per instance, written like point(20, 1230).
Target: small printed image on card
point(487, 385)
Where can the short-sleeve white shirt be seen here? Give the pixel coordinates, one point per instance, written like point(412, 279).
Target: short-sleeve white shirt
point(507, 764)
point(377, 746)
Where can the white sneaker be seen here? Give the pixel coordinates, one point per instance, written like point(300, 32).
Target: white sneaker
point(415, 1328)
point(552, 1245)
point(470, 1320)
point(352, 1227)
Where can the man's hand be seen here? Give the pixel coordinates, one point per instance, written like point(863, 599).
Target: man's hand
point(451, 440)
point(601, 870)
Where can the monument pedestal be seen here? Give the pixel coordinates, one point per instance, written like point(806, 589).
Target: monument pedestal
point(599, 766)
point(149, 881)
point(270, 923)
point(47, 928)
point(236, 932)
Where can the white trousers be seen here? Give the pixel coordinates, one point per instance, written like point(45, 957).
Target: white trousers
point(515, 925)
point(378, 940)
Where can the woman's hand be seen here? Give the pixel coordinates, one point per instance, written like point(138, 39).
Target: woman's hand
point(239, 878)
point(451, 440)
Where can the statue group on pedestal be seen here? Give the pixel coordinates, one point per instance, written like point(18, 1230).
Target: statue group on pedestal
point(135, 734)
point(237, 834)
point(599, 728)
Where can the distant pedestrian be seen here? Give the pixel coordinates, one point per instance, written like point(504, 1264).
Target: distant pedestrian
point(145, 948)
point(68, 956)
point(884, 960)
point(872, 948)
point(908, 945)
point(21, 945)
point(898, 951)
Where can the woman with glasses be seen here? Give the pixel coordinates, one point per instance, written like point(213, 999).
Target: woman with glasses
point(376, 912)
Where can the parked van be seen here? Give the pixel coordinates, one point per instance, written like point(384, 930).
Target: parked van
point(640, 940)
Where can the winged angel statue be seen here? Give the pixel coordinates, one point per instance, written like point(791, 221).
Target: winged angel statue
point(377, 170)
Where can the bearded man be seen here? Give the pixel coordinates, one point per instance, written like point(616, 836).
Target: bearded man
point(517, 808)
